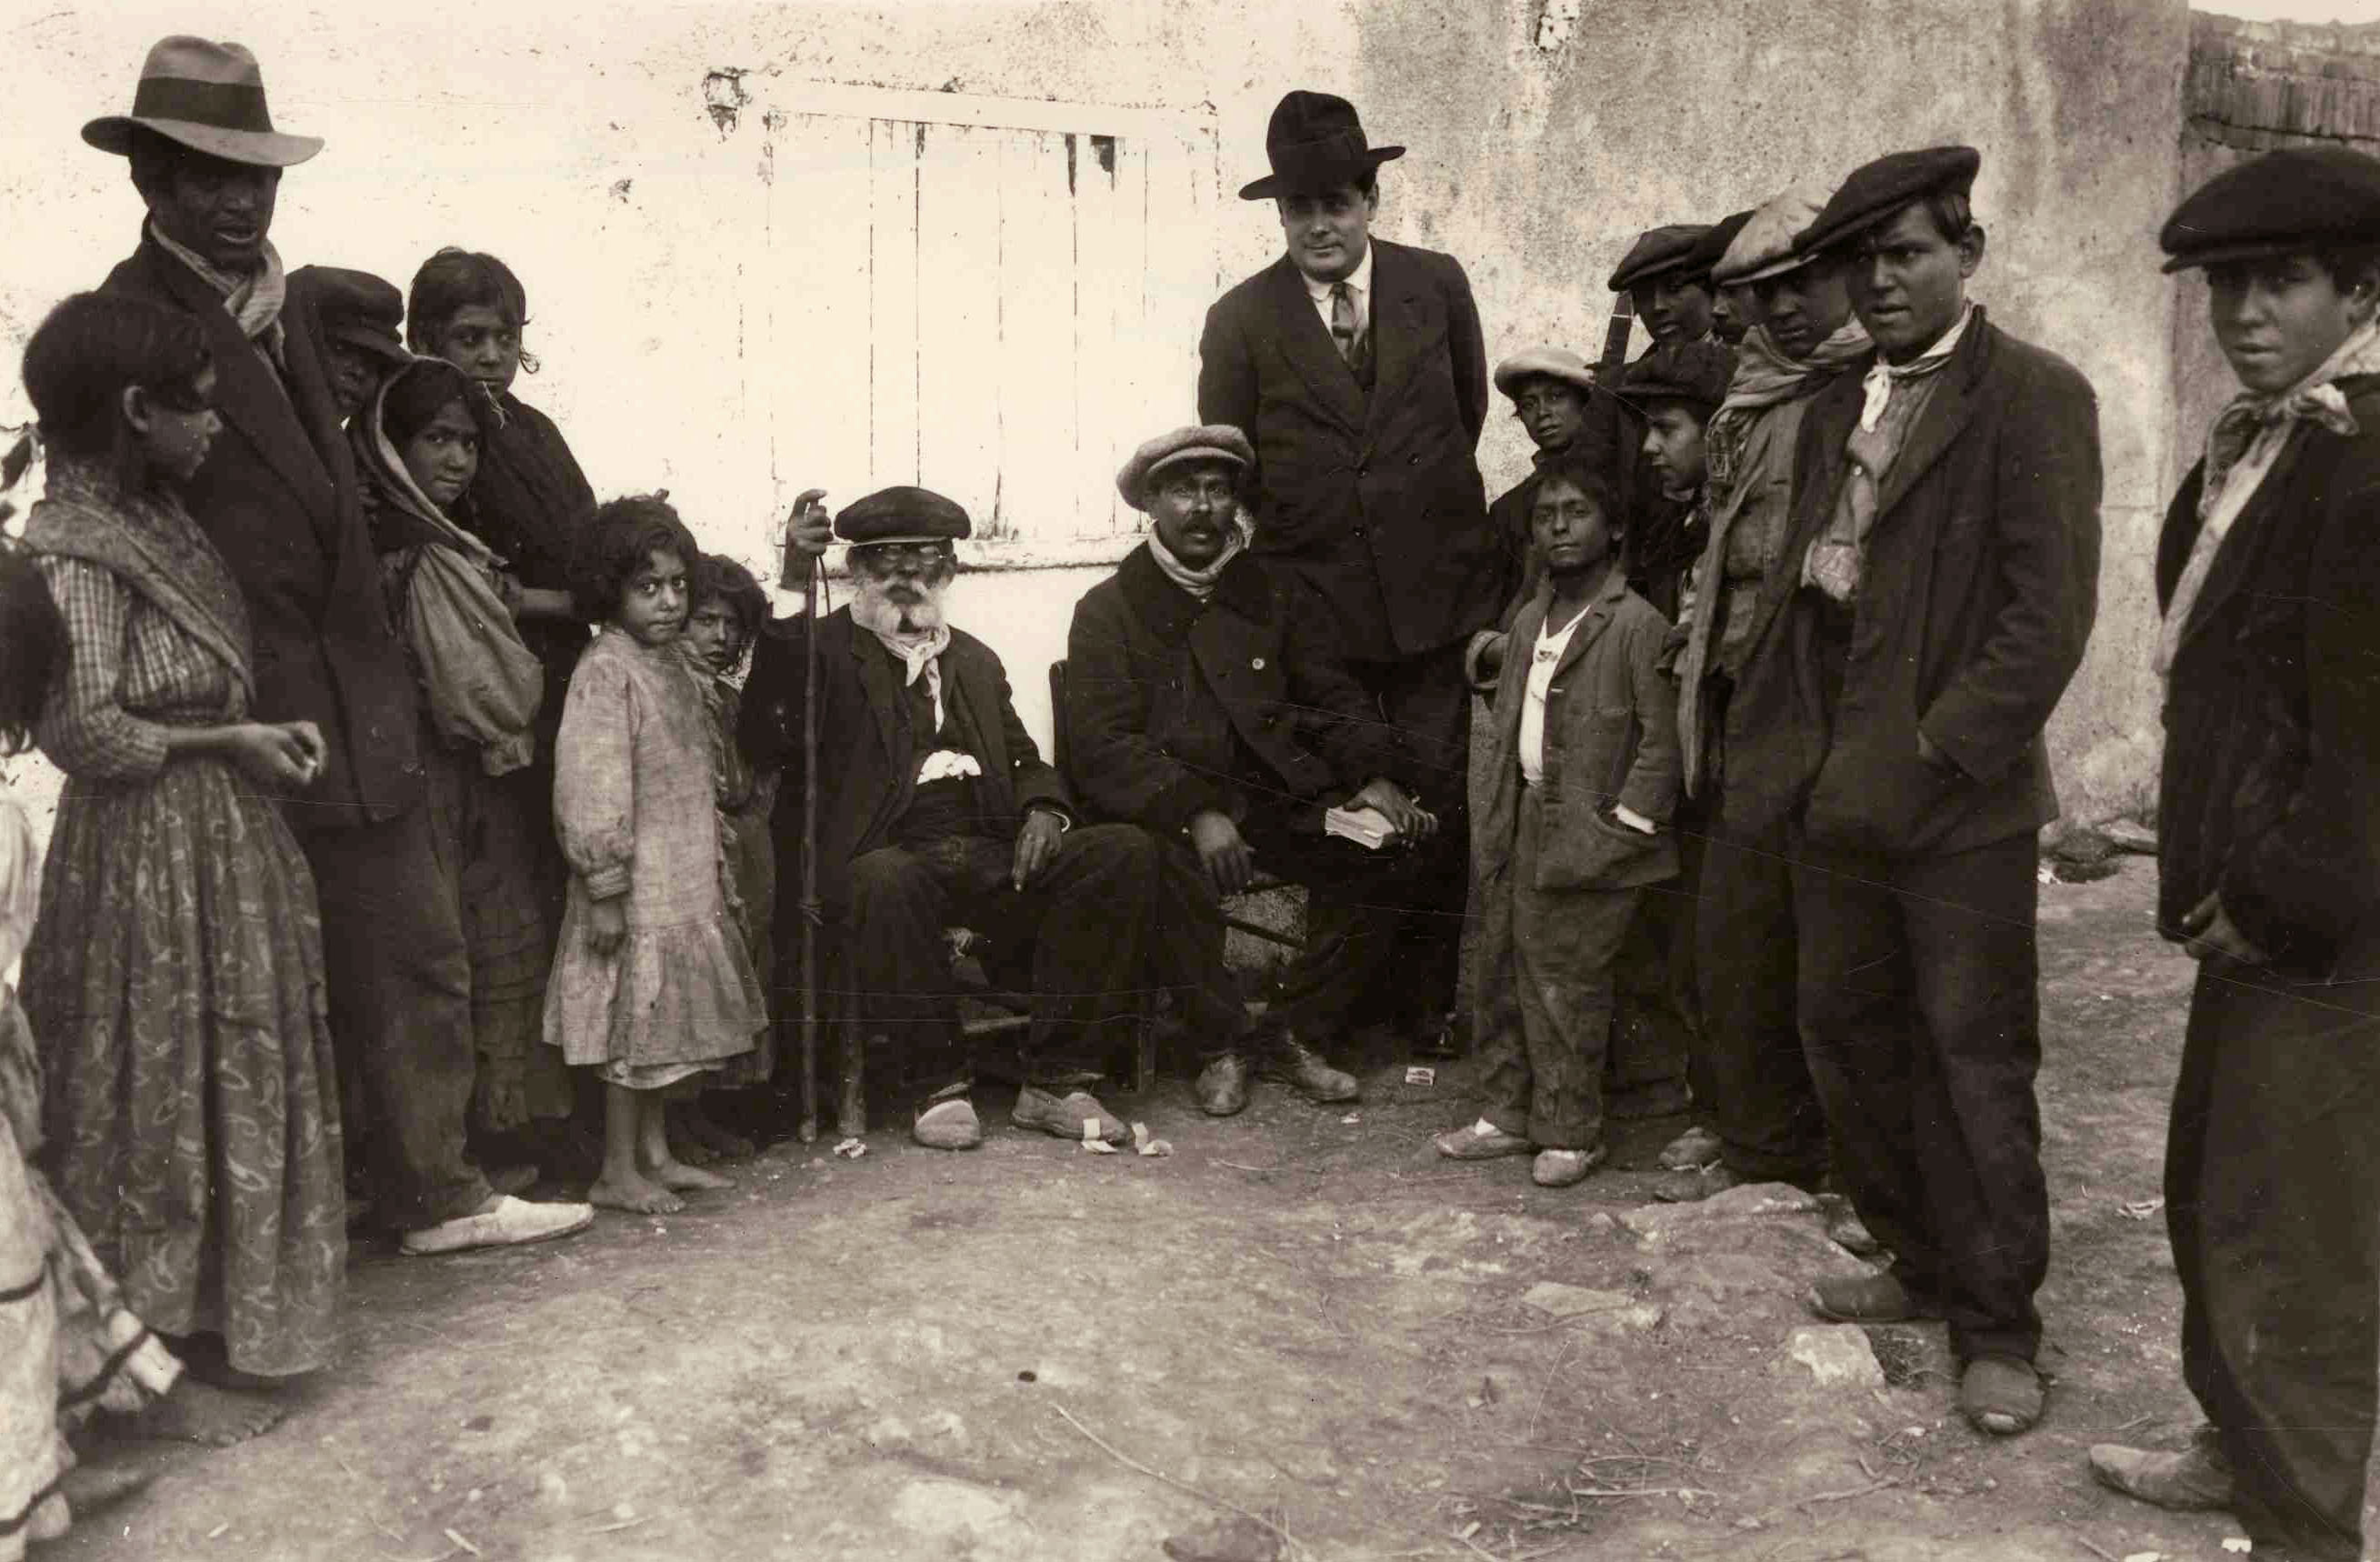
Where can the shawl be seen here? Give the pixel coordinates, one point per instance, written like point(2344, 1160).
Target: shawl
point(148, 540)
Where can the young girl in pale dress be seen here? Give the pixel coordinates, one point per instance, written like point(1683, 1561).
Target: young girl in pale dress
point(651, 983)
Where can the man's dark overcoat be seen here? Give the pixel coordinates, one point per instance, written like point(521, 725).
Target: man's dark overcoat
point(1374, 499)
point(1978, 591)
point(868, 763)
point(1168, 699)
point(277, 495)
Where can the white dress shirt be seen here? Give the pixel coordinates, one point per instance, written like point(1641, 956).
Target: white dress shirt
point(1359, 287)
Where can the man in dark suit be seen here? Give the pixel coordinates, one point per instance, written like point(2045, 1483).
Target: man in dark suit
point(1357, 370)
point(935, 808)
point(1206, 704)
point(1942, 577)
point(278, 496)
point(2268, 866)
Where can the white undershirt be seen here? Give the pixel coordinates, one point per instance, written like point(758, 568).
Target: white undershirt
point(1542, 663)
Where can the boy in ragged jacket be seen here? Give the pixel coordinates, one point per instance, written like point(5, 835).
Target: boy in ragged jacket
point(1585, 751)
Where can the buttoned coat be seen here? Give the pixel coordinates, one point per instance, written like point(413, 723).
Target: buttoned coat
point(1976, 597)
point(2271, 787)
point(1374, 501)
point(1237, 703)
point(867, 759)
point(278, 496)
point(1610, 736)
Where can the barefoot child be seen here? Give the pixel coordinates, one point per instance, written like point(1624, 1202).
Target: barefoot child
point(652, 981)
point(726, 612)
point(1585, 763)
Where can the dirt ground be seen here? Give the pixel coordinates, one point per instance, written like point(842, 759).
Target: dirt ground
point(1302, 1312)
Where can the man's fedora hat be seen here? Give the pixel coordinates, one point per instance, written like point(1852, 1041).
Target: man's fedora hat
point(1315, 143)
point(209, 97)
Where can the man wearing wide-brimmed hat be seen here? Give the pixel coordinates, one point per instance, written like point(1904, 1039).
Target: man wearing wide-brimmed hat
point(1206, 704)
point(2269, 861)
point(277, 495)
point(1941, 577)
point(1357, 370)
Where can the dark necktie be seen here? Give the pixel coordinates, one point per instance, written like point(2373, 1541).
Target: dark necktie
point(1345, 329)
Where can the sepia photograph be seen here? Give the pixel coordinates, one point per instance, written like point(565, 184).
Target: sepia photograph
point(1071, 780)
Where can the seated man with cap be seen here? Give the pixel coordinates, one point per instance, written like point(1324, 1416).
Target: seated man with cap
point(1205, 702)
point(1944, 559)
point(934, 809)
point(2268, 865)
point(356, 315)
point(1761, 1121)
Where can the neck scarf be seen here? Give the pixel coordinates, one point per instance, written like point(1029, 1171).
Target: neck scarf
point(1884, 378)
point(254, 299)
point(1764, 377)
point(1895, 394)
point(382, 470)
point(2242, 447)
point(1199, 583)
point(918, 651)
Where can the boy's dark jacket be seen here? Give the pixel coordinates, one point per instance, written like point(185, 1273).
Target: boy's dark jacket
point(2271, 787)
point(1174, 706)
point(1978, 595)
point(866, 763)
point(1612, 737)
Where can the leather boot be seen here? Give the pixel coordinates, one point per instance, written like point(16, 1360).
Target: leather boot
point(1292, 1063)
point(1223, 1086)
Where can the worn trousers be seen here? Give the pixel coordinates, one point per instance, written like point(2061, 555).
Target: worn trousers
point(1754, 1083)
point(1081, 926)
point(2272, 1176)
point(1343, 958)
point(1922, 1023)
point(400, 997)
point(1546, 996)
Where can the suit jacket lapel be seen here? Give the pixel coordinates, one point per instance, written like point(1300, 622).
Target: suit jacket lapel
point(963, 693)
point(1591, 626)
point(250, 398)
point(1946, 415)
point(1397, 324)
point(883, 692)
point(1306, 343)
point(2235, 554)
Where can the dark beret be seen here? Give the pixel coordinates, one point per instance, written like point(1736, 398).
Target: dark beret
point(2298, 198)
point(1875, 190)
point(1711, 248)
point(1695, 371)
point(1656, 251)
point(354, 306)
point(901, 514)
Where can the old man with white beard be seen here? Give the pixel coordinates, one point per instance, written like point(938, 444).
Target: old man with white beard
point(934, 809)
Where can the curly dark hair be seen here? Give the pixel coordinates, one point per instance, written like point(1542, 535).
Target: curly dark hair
point(32, 646)
point(90, 347)
point(625, 532)
point(1580, 470)
point(717, 578)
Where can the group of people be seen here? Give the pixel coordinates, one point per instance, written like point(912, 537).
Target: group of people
point(415, 814)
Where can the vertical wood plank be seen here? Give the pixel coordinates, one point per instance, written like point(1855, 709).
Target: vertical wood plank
point(959, 321)
point(1042, 483)
point(892, 384)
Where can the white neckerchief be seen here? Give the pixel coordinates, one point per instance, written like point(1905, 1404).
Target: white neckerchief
point(1359, 286)
point(1199, 583)
point(1880, 379)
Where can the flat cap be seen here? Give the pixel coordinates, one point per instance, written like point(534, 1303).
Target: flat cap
point(901, 514)
point(2297, 198)
point(1552, 364)
point(1711, 246)
point(1875, 190)
point(1695, 371)
point(1656, 251)
point(1211, 442)
point(354, 307)
point(1765, 248)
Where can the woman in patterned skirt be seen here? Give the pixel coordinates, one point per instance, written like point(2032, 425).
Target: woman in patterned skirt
point(175, 976)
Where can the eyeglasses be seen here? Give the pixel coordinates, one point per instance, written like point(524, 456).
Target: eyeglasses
point(886, 559)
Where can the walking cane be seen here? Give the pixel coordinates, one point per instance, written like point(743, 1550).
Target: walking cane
point(802, 566)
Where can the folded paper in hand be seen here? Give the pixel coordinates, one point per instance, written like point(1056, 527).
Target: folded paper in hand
point(1367, 827)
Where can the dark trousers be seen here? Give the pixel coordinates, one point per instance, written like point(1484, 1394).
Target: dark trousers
point(1754, 1083)
point(1656, 1040)
point(1545, 997)
point(1427, 700)
point(1343, 959)
point(1084, 920)
point(400, 995)
point(2272, 1176)
point(1921, 1019)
